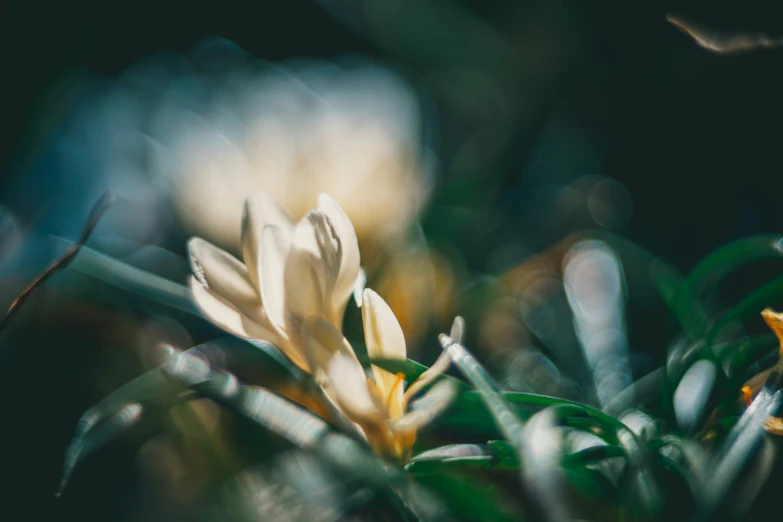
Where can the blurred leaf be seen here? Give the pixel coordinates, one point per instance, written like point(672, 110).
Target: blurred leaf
point(732, 256)
point(470, 412)
point(738, 354)
point(410, 368)
point(507, 420)
point(677, 295)
point(589, 482)
point(753, 304)
point(470, 498)
point(131, 279)
point(736, 450)
point(593, 454)
point(496, 455)
point(537, 452)
point(156, 387)
point(95, 436)
point(300, 427)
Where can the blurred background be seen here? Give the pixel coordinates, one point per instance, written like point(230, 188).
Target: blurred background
point(491, 156)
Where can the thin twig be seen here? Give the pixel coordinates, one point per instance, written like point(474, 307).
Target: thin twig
point(723, 42)
point(98, 210)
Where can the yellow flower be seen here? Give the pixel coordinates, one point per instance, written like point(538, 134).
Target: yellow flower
point(288, 272)
point(378, 405)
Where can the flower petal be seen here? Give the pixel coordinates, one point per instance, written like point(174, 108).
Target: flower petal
point(349, 383)
point(428, 408)
point(259, 211)
point(274, 252)
point(385, 340)
point(311, 269)
point(323, 342)
point(358, 287)
point(350, 259)
point(222, 273)
point(226, 316)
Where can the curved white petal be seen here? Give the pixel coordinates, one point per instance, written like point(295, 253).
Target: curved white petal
point(385, 340)
point(259, 211)
point(350, 259)
point(274, 252)
point(349, 384)
point(222, 273)
point(322, 342)
point(311, 269)
point(225, 315)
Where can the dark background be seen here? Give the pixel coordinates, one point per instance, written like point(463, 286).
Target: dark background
point(695, 137)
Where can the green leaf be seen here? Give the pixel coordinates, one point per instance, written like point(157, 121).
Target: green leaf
point(496, 455)
point(257, 359)
point(734, 255)
point(739, 354)
point(131, 279)
point(752, 304)
point(536, 446)
point(98, 435)
point(469, 498)
point(589, 482)
point(734, 454)
point(302, 428)
point(469, 412)
point(411, 369)
point(679, 297)
point(507, 420)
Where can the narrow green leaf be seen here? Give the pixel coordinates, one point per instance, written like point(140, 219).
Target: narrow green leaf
point(411, 369)
point(734, 255)
point(299, 426)
point(753, 304)
point(678, 296)
point(734, 453)
point(157, 387)
point(97, 436)
point(131, 279)
point(535, 447)
point(507, 420)
point(470, 498)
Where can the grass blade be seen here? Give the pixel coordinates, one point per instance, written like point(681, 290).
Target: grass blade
point(732, 256)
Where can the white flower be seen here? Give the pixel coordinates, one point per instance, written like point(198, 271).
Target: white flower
point(288, 272)
point(351, 130)
point(378, 405)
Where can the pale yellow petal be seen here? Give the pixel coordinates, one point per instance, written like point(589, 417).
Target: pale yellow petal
point(274, 252)
point(226, 316)
point(312, 268)
point(349, 383)
point(303, 277)
point(323, 342)
point(259, 211)
point(385, 340)
point(222, 273)
point(349, 261)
